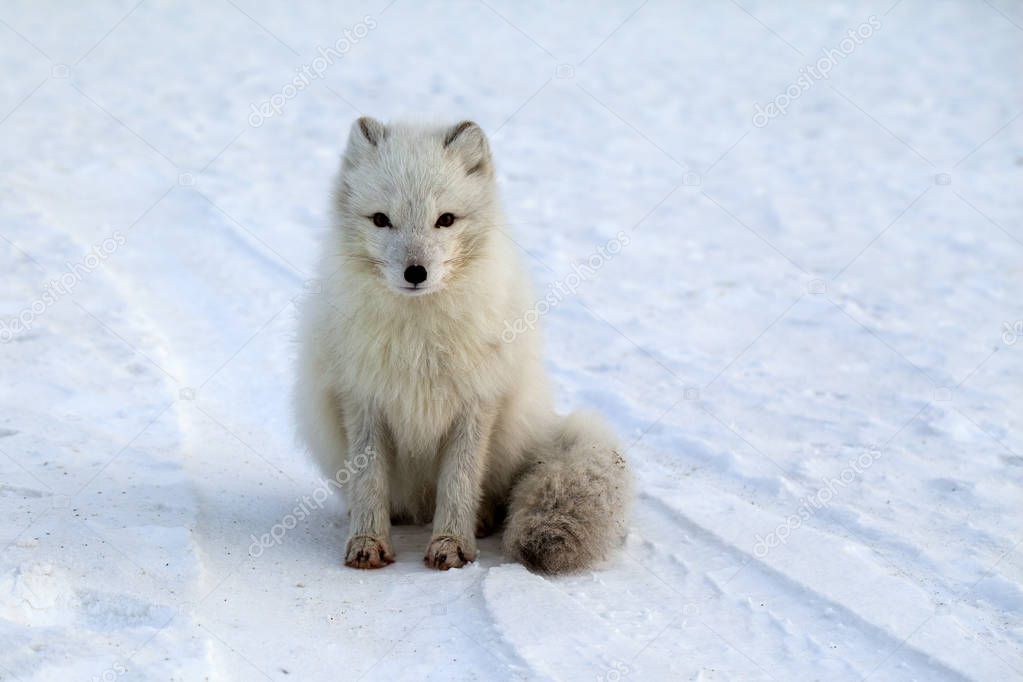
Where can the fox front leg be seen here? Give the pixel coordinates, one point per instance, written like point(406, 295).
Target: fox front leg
point(459, 491)
point(369, 538)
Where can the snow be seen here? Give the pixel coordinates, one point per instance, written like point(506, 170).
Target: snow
point(809, 337)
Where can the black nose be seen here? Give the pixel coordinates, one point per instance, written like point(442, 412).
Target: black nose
point(415, 274)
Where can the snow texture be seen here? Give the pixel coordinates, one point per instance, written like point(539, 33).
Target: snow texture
point(789, 264)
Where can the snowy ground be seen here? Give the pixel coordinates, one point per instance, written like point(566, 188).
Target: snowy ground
point(809, 343)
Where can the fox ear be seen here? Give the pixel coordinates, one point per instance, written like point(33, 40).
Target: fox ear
point(467, 140)
point(365, 134)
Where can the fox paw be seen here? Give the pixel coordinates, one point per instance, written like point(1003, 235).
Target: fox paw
point(367, 551)
point(447, 552)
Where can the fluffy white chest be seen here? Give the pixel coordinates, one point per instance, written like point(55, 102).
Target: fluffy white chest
point(420, 374)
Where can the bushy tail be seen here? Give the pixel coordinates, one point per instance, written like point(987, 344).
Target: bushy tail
point(569, 507)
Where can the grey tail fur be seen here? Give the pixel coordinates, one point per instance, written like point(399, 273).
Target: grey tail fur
point(569, 507)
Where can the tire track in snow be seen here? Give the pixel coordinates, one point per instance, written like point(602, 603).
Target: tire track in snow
point(586, 644)
point(143, 542)
point(184, 276)
point(791, 599)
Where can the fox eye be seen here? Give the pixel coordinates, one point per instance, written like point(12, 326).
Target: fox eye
point(381, 220)
point(445, 220)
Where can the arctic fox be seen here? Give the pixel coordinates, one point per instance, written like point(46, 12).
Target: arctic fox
point(408, 381)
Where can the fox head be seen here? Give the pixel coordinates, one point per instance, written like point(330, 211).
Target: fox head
point(415, 203)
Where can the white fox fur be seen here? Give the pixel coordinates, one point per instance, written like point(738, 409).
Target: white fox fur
point(411, 387)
